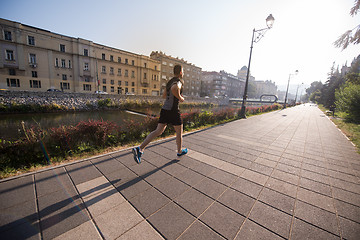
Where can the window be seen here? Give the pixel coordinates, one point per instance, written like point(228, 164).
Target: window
point(132, 62)
point(144, 91)
point(62, 48)
point(126, 90)
point(119, 83)
point(112, 82)
point(104, 88)
point(7, 35)
point(133, 74)
point(144, 75)
point(64, 77)
point(86, 66)
point(171, 65)
point(144, 65)
point(132, 84)
point(119, 59)
point(104, 81)
point(12, 82)
point(154, 85)
point(10, 55)
point(87, 87)
point(64, 85)
point(133, 90)
point(111, 71)
point(126, 73)
point(119, 71)
point(31, 40)
point(87, 79)
point(126, 83)
point(86, 52)
point(34, 74)
point(63, 64)
point(164, 63)
point(56, 62)
point(155, 68)
point(32, 58)
point(111, 58)
point(35, 84)
point(69, 63)
point(12, 72)
point(103, 56)
point(126, 61)
point(103, 69)
point(112, 89)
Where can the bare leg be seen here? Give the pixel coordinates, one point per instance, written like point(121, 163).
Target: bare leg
point(157, 132)
point(179, 131)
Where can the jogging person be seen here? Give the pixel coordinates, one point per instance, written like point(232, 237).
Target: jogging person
point(170, 113)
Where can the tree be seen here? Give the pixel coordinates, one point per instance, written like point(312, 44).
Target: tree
point(348, 101)
point(350, 36)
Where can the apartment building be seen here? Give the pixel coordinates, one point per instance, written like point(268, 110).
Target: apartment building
point(192, 73)
point(34, 59)
point(221, 84)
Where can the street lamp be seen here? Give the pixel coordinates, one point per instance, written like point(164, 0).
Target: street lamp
point(261, 32)
point(287, 89)
point(297, 92)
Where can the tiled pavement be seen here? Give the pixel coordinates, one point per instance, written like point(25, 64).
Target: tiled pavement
point(289, 174)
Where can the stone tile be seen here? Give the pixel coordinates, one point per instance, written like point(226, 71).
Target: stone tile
point(351, 187)
point(29, 230)
point(266, 162)
point(273, 219)
point(316, 216)
point(18, 190)
point(141, 231)
point(157, 177)
point(278, 200)
point(134, 187)
point(144, 169)
point(315, 186)
point(288, 169)
point(282, 187)
point(174, 169)
point(223, 177)
point(194, 202)
point(316, 199)
point(253, 231)
point(154, 159)
point(237, 201)
point(349, 229)
point(255, 177)
point(315, 176)
point(82, 172)
point(206, 159)
point(99, 196)
point(107, 164)
point(232, 168)
point(286, 177)
point(171, 221)
point(59, 213)
point(302, 230)
point(121, 178)
point(346, 196)
point(249, 188)
point(223, 220)
point(16, 215)
point(87, 230)
point(190, 177)
point(348, 210)
point(112, 224)
point(203, 169)
point(149, 202)
point(265, 170)
point(210, 187)
point(53, 180)
point(172, 187)
point(199, 231)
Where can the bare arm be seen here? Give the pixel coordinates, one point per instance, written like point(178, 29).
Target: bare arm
point(164, 93)
point(176, 92)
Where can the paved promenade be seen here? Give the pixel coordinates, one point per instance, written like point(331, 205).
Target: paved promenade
point(289, 174)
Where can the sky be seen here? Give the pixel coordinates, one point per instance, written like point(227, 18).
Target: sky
point(214, 35)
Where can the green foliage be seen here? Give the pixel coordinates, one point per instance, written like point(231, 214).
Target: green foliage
point(348, 101)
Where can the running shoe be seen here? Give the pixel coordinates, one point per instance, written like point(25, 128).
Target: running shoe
point(137, 154)
point(183, 152)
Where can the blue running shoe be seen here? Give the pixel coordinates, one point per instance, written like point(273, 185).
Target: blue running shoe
point(137, 154)
point(183, 152)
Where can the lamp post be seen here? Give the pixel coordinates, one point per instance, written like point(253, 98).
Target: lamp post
point(261, 32)
point(287, 89)
point(297, 92)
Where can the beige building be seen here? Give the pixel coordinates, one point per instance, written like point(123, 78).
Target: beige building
point(34, 59)
point(221, 85)
point(192, 73)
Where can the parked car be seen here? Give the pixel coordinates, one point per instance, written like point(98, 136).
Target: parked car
point(53, 90)
point(129, 93)
point(100, 92)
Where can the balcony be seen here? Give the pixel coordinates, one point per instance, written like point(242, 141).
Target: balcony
point(33, 65)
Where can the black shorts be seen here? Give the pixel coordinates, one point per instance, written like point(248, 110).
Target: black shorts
point(169, 116)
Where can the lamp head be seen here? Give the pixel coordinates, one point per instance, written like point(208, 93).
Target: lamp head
point(270, 21)
point(296, 72)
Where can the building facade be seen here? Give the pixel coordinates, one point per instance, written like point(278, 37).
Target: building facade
point(35, 59)
point(192, 73)
point(221, 84)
